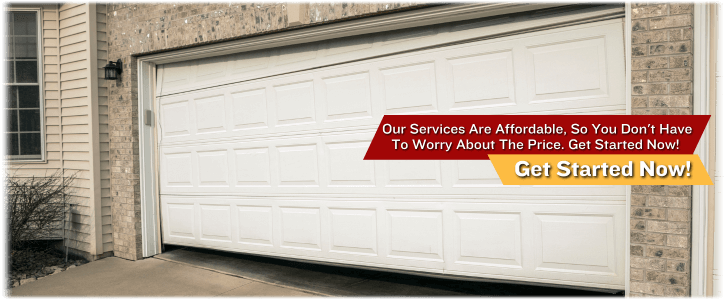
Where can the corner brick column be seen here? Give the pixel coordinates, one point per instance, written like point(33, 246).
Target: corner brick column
point(124, 157)
point(662, 79)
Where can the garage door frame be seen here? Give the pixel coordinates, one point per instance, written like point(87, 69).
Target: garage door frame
point(149, 173)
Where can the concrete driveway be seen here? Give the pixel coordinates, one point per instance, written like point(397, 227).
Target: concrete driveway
point(115, 276)
point(183, 271)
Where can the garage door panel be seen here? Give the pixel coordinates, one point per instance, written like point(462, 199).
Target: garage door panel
point(347, 96)
point(209, 114)
point(216, 222)
point(298, 165)
point(312, 166)
point(274, 165)
point(568, 70)
point(250, 61)
point(549, 241)
point(475, 173)
point(346, 166)
point(209, 69)
point(588, 240)
point(295, 103)
point(348, 45)
point(254, 225)
point(180, 223)
point(559, 242)
point(177, 170)
point(301, 228)
point(353, 231)
point(213, 168)
point(174, 118)
point(410, 88)
point(488, 238)
point(482, 80)
point(415, 234)
point(178, 76)
point(252, 167)
point(249, 109)
point(409, 173)
point(486, 78)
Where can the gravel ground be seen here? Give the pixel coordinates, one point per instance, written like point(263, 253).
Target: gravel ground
point(37, 261)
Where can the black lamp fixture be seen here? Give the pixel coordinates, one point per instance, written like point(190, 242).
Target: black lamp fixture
point(112, 70)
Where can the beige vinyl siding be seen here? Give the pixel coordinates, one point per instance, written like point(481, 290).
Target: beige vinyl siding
point(105, 164)
point(76, 119)
point(51, 96)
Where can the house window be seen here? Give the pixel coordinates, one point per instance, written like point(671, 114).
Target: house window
point(23, 109)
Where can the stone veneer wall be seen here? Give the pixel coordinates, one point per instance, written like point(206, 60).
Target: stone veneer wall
point(662, 84)
point(141, 28)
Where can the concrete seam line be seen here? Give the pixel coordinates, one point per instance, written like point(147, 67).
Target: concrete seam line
point(243, 277)
point(234, 288)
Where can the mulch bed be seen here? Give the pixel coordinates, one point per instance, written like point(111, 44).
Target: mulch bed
point(35, 261)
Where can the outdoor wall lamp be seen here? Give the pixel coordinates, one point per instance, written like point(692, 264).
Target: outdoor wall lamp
point(112, 70)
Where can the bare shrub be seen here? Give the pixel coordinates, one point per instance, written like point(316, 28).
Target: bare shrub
point(36, 206)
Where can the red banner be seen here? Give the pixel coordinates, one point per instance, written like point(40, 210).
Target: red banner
point(474, 137)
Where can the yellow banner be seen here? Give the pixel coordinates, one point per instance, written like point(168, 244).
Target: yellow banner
point(681, 169)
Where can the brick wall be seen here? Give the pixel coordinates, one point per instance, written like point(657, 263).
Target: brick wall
point(140, 28)
point(662, 84)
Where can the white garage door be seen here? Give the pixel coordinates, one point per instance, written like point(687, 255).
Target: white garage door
point(262, 153)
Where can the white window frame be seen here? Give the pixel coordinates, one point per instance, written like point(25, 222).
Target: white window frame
point(41, 95)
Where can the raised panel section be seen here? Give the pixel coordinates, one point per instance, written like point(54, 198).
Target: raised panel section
point(255, 225)
point(405, 35)
point(483, 80)
point(568, 70)
point(252, 167)
point(347, 167)
point(250, 109)
point(175, 117)
point(213, 168)
point(414, 173)
point(211, 68)
point(348, 97)
point(250, 61)
point(178, 169)
point(297, 53)
point(301, 227)
point(181, 220)
point(416, 234)
point(345, 45)
point(575, 243)
point(298, 165)
point(295, 103)
point(475, 173)
point(176, 74)
point(216, 223)
point(410, 88)
point(353, 231)
point(489, 238)
point(210, 114)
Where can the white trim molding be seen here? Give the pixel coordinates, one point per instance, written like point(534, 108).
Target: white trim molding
point(699, 220)
point(150, 222)
point(628, 39)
